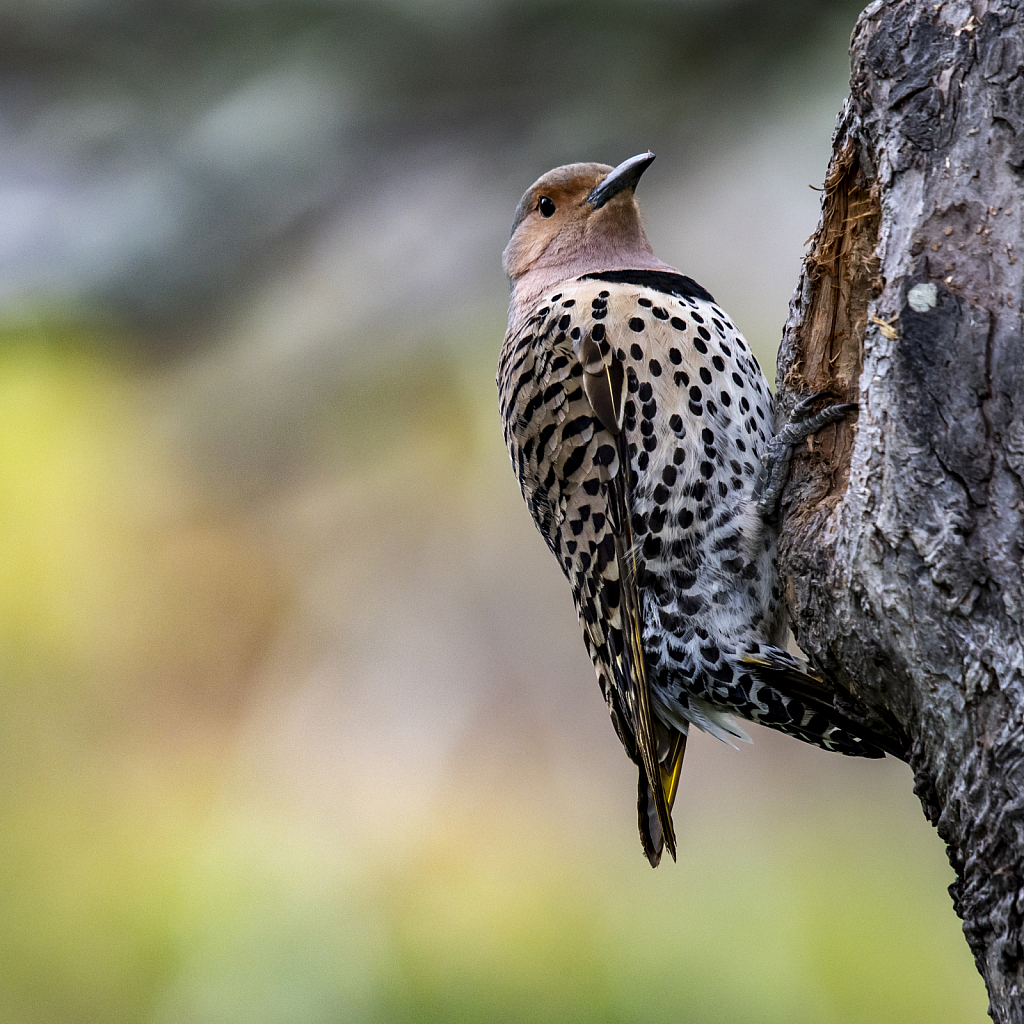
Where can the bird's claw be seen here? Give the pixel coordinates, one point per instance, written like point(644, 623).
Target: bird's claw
point(775, 460)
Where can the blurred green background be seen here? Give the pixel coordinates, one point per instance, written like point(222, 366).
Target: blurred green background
point(297, 724)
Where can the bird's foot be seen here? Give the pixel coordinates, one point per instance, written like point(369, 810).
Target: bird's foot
point(774, 470)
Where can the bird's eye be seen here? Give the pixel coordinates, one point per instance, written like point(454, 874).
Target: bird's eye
point(546, 206)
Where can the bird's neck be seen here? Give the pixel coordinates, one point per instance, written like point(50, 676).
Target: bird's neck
point(545, 276)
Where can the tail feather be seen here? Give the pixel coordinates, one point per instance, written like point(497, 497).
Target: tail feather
point(651, 836)
point(821, 723)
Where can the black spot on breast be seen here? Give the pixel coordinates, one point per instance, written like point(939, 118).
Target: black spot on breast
point(681, 379)
point(685, 519)
point(668, 475)
point(722, 672)
point(676, 423)
point(646, 303)
point(737, 379)
point(660, 313)
point(718, 363)
point(699, 345)
point(652, 547)
point(683, 580)
point(710, 653)
point(679, 456)
point(636, 351)
point(642, 460)
point(679, 325)
point(707, 470)
point(655, 368)
point(660, 494)
point(636, 324)
point(646, 391)
point(675, 356)
point(563, 324)
point(597, 332)
point(675, 652)
point(705, 375)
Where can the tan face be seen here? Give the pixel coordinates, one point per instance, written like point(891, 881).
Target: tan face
point(576, 219)
point(552, 216)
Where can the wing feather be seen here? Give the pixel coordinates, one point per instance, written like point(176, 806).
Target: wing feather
point(603, 379)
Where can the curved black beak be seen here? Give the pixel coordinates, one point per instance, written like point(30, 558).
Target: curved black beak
point(626, 175)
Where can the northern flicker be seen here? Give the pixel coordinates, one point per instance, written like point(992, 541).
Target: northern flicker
point(641, 430)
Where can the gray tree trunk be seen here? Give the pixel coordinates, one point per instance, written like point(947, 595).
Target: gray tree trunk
point(903, 528)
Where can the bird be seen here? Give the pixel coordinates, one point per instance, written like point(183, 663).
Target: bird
point(641, 430)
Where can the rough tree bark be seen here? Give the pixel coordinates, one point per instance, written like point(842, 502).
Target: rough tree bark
point(904, 528)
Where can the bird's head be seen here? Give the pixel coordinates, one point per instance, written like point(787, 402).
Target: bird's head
point(578, 219)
